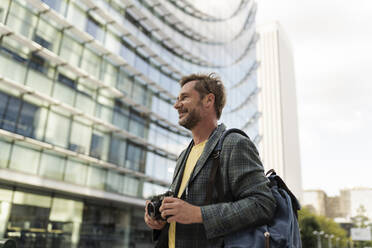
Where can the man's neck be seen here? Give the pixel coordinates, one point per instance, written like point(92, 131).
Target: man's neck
point(202, 131)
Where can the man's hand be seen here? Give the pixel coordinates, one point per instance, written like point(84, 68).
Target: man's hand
point(180, 211)
point(152, 223)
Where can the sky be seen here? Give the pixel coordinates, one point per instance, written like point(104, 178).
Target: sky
point(332, 49)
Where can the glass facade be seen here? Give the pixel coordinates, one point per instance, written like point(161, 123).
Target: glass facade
point(87, 126)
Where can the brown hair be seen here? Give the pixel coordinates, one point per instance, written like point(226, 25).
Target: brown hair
point(208, 83)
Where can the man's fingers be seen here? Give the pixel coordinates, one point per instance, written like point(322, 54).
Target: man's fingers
point(169, 202)
point(154, 224)
point(169, 199)
point(168, 212)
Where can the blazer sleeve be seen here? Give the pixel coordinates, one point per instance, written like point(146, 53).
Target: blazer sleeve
point(243, 175)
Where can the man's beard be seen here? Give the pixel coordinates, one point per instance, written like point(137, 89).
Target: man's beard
point(190, 120)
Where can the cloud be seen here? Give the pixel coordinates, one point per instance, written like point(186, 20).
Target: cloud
point(332, 55)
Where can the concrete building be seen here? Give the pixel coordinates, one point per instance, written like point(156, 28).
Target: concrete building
point(87, 126)
point(354, 200)
point(344, 207)
point(277, 103)
point(316, 201)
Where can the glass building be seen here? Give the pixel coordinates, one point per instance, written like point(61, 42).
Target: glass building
point(87, 126)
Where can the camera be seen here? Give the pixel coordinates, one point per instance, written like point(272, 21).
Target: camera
point(155, 203)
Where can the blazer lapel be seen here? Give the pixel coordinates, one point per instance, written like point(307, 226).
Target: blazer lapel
point(209, 147)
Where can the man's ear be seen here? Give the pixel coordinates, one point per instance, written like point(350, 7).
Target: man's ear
point(210, 99)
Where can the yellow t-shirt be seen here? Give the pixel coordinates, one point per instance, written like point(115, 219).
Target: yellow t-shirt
point(194, 155)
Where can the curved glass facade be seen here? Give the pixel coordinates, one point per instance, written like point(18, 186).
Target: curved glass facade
point(87, 125)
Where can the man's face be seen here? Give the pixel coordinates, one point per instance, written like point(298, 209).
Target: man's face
point(189, 106)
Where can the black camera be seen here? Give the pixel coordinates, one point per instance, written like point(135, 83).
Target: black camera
point(155, 203)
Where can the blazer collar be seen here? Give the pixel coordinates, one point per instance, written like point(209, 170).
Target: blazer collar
point(208, 149)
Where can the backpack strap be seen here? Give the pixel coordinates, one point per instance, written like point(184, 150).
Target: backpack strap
point(278, 181)
point(215, 172)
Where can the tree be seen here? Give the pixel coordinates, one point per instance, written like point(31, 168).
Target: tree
point(310, 222)
point(361, 221)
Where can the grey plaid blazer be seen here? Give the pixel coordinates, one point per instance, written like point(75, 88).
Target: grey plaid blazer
point(244, 182)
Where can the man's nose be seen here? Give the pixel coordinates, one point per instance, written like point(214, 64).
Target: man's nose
point(176, 105)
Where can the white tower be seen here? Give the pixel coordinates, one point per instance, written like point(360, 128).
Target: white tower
point(279, 147)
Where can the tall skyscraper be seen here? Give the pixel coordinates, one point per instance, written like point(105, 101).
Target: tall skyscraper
point(279, 147)
point(87, 126)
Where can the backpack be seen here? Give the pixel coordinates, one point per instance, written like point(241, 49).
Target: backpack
point(282, 232)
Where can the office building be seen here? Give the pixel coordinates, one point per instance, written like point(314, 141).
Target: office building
point(316, 201)
point(345, 207)
point(87, 125)
point(277, 102)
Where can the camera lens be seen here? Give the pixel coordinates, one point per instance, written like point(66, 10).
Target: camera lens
point(151, 210)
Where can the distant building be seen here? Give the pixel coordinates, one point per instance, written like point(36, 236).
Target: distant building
point(352, 200)
point(315, 200)
point(342, 208)
point(279, 147)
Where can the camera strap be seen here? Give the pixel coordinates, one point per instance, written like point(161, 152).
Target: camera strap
point(178, 176)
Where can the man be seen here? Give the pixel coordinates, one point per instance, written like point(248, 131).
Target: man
point(189, 222)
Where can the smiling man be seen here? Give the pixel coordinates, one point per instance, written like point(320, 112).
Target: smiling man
point(191, 221)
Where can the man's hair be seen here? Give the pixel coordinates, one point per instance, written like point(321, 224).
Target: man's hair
point(208, 83)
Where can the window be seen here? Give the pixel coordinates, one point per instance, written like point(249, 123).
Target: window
point(42, 42)
point(137, 124)
point(96, 177)
point(141, 65)
point(66, 81)
point(85, 102)
point(3, 106)
point(117, 151)
point(9, 120)
point(130, 186)
point(71, 50)
point(150, 190)
point(91, 63)
point(134, 157)
point(24, 159)
point(76, 172)
point(51, 166)
point(17, 116)
point(93, 28)
point(80, 137)
point(54, 4)
point(57, 129)
point(110, 73)
point(96, 146)
point(125, 83)
point(4, 153)
point(26, 120)
point(14, 55)
point(38, 63)
point(40, 82)
point(139, 93)
point(104, 112)
point(127, 53)
point(114, 182)
point(2, 14)
point(121, 115)
point(24, 25)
